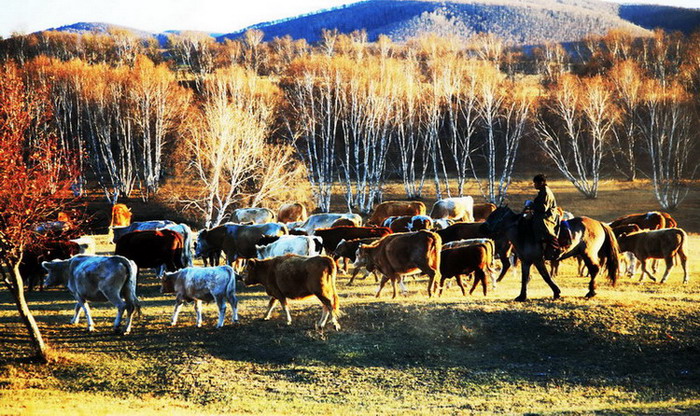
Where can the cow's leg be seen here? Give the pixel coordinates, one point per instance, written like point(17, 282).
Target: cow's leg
point(285, 308)
point(460, 283)
point(442, 285)
point(354, 273)
point(270, 307)
point(233, 301)
point(669, 264)
point(327, 311)
point(684, 260)
point(556, 292)
point(393, 285)
point(76, 314)
point(644, 270)
point(121, 306)
point(198, 312)
point(221, 303)
point(176, 312)
point(402, 285)
point(381, 285)
point(88, 316)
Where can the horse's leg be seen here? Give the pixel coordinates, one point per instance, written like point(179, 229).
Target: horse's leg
point(524, 279)
point(542, 268)
point(554, 268)
point(593, 270)
point(505, 265)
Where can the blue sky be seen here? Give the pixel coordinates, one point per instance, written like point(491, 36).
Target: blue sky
point(223, 16)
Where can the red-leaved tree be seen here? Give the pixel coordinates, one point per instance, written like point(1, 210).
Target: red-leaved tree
point(35, 176)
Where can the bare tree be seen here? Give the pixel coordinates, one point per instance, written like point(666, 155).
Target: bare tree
point(581, 117)
point(627, 79)
point(667, 128)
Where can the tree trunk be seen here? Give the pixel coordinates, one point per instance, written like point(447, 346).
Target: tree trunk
point(16, 286)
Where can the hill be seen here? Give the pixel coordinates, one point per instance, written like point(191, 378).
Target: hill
point(517, 21)
point(665, 17)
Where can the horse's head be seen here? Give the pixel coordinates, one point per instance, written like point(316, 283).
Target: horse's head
point(498, 219)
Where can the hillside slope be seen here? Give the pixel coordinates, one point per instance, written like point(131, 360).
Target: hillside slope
point(517, 21)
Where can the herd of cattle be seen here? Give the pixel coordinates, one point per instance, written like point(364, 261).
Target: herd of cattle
point(298, 255)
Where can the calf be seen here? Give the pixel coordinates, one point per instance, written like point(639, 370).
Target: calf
point(296, 277)
point(97, 278)
point(400, 254)
point(652, 220)
point(474, 258)
point(203, 284)
point(347, 250)
point(291, 244)
point(659, 244)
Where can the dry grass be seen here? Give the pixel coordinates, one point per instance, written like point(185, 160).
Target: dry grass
point(632, 350)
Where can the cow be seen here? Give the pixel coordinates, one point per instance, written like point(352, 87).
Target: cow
point(332, 236)
point(203, 284)
point(420, 222)
point(97, 278)
point(292, 213)
point(235, 240)
point(408, 223)
point(252, 216)
point(344, 222)
point(316, 221)
point(296, 277)
point(442, 223)
point(652, 220)
point(473, 258)
point(186, 233)
point(670, 221)
point(400, 254)
point(290, 244)
point(30, 267)
point(657, 244)
point(482, 211)
point(152, 248)
point(56, 230)
point(347, 250)
point(121, 216)
point(118, 232)
point(460, 209)
point(395, 208)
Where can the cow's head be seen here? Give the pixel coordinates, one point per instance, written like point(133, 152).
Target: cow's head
point(363, 257)
point(339, 250)
point(201, 247)
point(250, 273)
point(58, 272)
point(167, 284)
point(260, 251)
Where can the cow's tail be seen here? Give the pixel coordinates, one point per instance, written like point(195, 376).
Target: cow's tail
point(187, 249)
point(231, 285)
point(129, 290)
point(610, 251)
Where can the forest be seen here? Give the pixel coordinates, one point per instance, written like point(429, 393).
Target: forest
point(252, 123)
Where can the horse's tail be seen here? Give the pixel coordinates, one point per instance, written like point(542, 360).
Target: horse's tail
point(610, 251)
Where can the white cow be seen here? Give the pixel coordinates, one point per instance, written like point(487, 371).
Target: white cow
point(118, 232)
point(317, 221)
point(203, 284)
point(252, 216)
point(96, 278)
point(460, 209)
point(295, 244)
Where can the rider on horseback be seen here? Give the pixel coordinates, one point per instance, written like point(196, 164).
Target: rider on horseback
point(545, 218)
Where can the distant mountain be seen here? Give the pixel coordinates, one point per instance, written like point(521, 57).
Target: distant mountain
point(666, 17)
point(98, 27)
point(518, 21)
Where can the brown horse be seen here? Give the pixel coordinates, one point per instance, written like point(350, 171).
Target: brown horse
point(592, 240)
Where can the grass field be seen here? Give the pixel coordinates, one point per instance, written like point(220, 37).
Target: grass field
point(634, 349)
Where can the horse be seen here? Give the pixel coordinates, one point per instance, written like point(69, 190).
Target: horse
point(592, 240)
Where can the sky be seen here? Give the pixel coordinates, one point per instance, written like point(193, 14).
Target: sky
point(220, 16)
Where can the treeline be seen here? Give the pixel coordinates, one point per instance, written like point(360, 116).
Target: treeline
point(253, 122)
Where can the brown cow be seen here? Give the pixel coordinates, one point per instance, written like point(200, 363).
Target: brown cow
point(291, 213)
point(296, 277)
point(332, 236)
point(652, 220)
point(343, 222)
point(152, 248)
point(670, 221)
point(121, 216)
point(30, 267)
point(395, 209)
point(408, 223)
point(475, 258)
point(403, 253)
point(658, 244)
point(482, 211)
